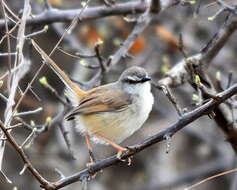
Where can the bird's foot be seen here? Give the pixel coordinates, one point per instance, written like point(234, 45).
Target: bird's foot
point(121, 153)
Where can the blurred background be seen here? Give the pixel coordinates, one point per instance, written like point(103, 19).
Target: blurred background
point(196, 152)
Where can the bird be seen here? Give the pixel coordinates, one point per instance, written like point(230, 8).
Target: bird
point(110, 113)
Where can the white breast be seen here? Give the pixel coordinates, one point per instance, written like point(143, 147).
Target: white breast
point(141, 108)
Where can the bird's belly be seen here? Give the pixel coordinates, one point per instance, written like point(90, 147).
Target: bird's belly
point(116, 126)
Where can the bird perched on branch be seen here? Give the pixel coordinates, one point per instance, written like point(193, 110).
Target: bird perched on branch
point(110, 113)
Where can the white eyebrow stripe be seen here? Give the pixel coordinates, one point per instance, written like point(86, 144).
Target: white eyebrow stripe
point(131, 78)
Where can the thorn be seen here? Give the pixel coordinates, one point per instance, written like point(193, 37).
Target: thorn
point(23, 169)
point(168, 143)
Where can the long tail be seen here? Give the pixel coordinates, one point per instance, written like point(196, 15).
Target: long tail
point(61, 74)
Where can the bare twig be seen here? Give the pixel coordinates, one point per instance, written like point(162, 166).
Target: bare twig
point(4, 98)
point(172, 99)
point(42, 31)
point(210, 178)
point(77, 54)
point(7, 54)
point(28, 112)
point(7, 35)
point(100, 58)
point(226, 6)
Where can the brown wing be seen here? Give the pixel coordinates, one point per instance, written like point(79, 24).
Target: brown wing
point(103, 100)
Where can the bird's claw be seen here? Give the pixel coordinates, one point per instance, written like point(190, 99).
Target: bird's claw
point(120, 155)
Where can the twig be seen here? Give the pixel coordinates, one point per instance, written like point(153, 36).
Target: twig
point(7, 54)
point(229, 81)
point(10, 11)
point(172, 99)
point(210, 178)
point(100, 58)
point(68, 30)
point(7, 35)
point(42, 31)
point(15, 126)
point(226, 6)
point(44, 82)
point(28, 112)
point(77, 54)
point(3, 97)
point(12, 30)
point(181, 46)
point(28, 140)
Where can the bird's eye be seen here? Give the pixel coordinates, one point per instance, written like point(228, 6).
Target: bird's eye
point(136, 80)
point(131, 80)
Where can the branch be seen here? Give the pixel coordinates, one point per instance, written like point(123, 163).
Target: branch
point(183, 121)
point(224, 5)
point(17, 75)
point(25, 159)
point(143, 21)
point(178, 75)
point(50, 16)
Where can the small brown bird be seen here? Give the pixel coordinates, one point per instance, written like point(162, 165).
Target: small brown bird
point(110, 113)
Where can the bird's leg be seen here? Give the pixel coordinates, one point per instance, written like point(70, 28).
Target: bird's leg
point(119, 148)
point(89, 146)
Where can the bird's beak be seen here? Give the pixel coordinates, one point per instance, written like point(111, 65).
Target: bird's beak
point(147, 78)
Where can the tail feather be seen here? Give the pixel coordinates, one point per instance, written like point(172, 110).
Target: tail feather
point(73, 87)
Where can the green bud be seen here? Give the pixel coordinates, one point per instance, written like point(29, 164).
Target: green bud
point(211, 18)
point(83, 3)
point(197, 80)
point(1, 83)
point(32, 123)
point(99, 41)
point(218, 75)
point(83, 62)
point(46, 27)
point(48, 120)
point(195, 97)
point(43, 81)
